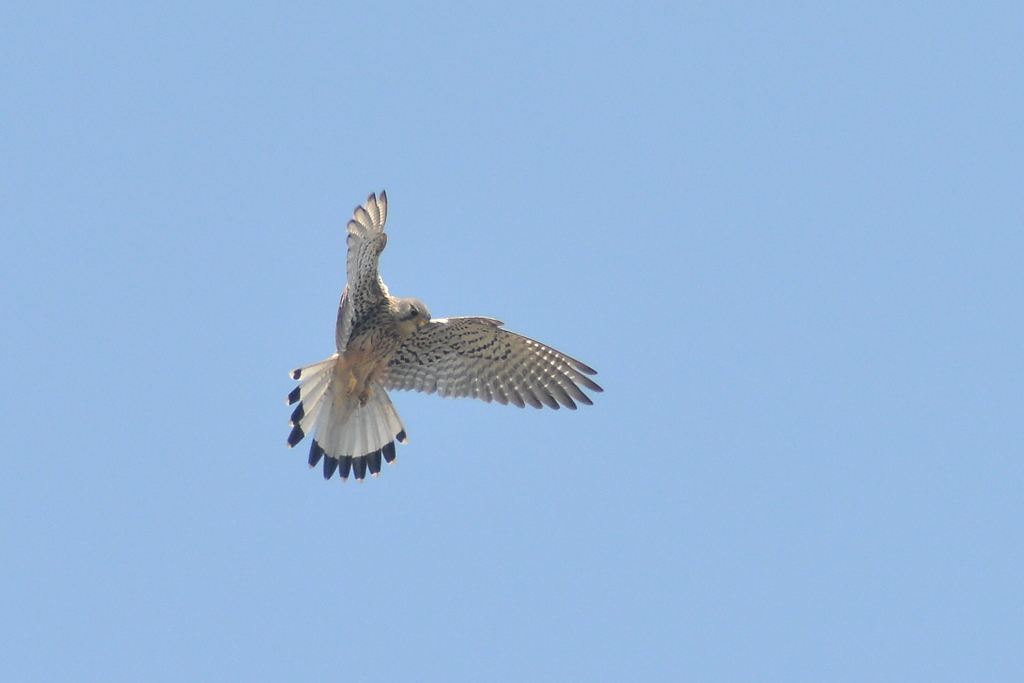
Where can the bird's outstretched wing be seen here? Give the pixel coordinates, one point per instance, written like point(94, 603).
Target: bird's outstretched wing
point(474, 357)
point(366, 240)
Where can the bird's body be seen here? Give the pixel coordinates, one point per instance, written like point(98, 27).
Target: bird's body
point(389, 343)
point(373, 341)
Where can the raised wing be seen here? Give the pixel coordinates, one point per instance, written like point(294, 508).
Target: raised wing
point(366, 240)
point(474, 357)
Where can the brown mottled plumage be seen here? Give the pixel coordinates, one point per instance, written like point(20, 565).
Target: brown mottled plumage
point(387, 343)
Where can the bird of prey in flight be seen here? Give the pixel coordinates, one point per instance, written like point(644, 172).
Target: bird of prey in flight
point(389, 343)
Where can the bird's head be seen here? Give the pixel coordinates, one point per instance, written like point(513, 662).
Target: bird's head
point(412, 313)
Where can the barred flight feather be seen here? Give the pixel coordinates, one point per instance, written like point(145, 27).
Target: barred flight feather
point(385, 343)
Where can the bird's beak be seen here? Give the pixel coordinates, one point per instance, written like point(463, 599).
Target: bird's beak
point(420, 322)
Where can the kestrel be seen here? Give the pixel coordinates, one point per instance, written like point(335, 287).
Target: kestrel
point(388, 343)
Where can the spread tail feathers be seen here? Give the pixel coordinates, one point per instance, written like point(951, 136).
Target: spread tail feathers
point(350, 437)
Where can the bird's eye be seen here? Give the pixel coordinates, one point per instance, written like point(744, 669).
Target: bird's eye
point(414, 312)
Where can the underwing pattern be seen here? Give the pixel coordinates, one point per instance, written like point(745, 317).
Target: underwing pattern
point(386, 343)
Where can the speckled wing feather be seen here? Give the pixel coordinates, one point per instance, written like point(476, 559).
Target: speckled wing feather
point(475, 357)
point(366, 240)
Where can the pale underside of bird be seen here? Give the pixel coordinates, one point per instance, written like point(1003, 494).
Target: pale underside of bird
point(389, 343)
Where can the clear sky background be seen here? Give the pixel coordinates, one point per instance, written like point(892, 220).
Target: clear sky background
point(790, 237)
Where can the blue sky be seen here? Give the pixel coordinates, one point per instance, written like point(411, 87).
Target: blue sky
point(789, 236)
